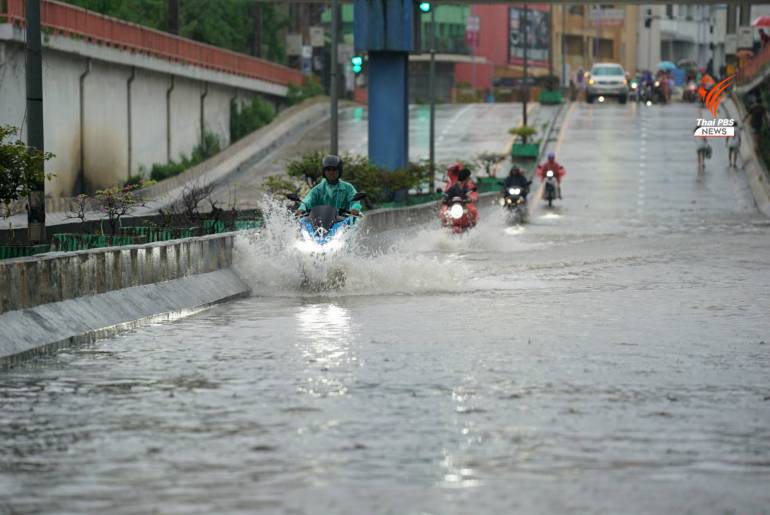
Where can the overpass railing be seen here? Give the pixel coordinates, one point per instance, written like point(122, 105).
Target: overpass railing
point(754, 66)
point(93, 27)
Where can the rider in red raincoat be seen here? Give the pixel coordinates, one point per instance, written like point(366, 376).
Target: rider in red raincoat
point(554, 166)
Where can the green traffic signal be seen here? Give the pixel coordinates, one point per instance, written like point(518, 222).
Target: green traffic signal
point(425, 7)
point(357, 64)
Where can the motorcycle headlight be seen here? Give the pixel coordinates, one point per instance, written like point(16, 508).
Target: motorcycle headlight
point(657, 83)
point(456, 211)
point(634, 85)
point(508, 201)
point(514, 191)
point(590, 82)
point(549, 174)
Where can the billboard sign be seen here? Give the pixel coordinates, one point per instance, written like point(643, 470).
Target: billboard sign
point(537, 35)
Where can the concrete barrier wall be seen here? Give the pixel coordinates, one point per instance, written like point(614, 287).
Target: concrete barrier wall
point(72, 297)
point(29, 282)
point(756, 173)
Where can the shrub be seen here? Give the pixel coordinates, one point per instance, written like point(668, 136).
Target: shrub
point(380, 185)
point(310, 88)
point(524, 132)
point(279, 185)
point(22, 169)
point(249, 117)
point(209, 147)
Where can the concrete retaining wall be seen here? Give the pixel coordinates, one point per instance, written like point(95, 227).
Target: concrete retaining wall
point(110, 113)
point(756, 173)
point(76, 296)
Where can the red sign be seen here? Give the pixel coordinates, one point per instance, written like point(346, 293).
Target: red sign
point(472, 31)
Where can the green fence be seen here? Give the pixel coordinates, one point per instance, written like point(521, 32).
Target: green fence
point(219, 226)
point(68, 242)
point(16, 251)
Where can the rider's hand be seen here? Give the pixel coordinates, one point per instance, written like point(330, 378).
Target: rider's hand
point(355, 212)
point(299, 213)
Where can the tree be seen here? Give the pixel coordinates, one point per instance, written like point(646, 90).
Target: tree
point(117, 202)
point(489, 161)
point(22, 169)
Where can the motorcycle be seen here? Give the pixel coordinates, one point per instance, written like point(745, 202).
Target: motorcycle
point(514, 201)
point(551, 187)
point(659, 94)
point(455, 213)
point(633, 90)
point(324, 229)
point(690, 93)
point(645, 92)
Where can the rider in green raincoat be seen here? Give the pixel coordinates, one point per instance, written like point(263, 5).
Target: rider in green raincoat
point(331, 190)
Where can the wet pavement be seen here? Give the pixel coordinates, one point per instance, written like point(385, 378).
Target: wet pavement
point(611, 356)
point(462, 132)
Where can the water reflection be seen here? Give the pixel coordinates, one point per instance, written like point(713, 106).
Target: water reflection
point(324, 337)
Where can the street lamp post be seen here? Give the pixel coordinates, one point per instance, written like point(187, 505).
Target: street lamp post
point(432, 87)
point(526, 85)
point(333, 144)
point(36, 210)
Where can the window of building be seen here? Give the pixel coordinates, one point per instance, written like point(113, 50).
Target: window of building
point(574, 45)
point(605, 50)
point(577, 10)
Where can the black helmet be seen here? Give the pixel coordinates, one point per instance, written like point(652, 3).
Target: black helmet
point(332, 161)
point(464, 174)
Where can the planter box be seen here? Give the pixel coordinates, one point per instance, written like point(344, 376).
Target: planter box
point(486, 184)
point(550, 97)
point(9, 251)
point(525, 150)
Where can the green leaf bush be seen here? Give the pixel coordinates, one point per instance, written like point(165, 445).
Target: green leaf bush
point(379, 184)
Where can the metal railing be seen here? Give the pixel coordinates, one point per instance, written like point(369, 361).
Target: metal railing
point(64, 19)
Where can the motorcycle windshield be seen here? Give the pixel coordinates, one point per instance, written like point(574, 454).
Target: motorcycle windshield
point(323, 216)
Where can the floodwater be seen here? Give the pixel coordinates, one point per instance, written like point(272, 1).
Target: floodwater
point(611, 356)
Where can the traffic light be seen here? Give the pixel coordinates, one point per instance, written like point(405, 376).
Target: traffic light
point(357, 63)
point(424, 7)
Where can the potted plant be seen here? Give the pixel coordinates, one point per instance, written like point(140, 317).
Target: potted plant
point(521, 147)
point(551, 94)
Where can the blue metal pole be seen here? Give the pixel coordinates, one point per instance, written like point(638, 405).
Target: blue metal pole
point(384, 29)
point(389, 109)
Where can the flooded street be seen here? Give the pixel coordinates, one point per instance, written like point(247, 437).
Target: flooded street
point(611, 356)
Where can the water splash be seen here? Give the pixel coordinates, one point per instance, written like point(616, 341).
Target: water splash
point(270, 263)
point(492, 234)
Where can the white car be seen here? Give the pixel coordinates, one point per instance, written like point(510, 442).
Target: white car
point(607, 80)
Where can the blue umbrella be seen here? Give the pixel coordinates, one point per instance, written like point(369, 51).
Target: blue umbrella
point(666, 66)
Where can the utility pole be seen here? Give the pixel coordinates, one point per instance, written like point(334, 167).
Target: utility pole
point(173, 16)
point(334, 73)
point(432, 87)
point(565, 79)
point(526, 85)
point(36, 209)
point(256, 48)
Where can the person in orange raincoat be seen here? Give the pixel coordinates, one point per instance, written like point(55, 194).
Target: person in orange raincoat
point(451, 175)
point(553, 165)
